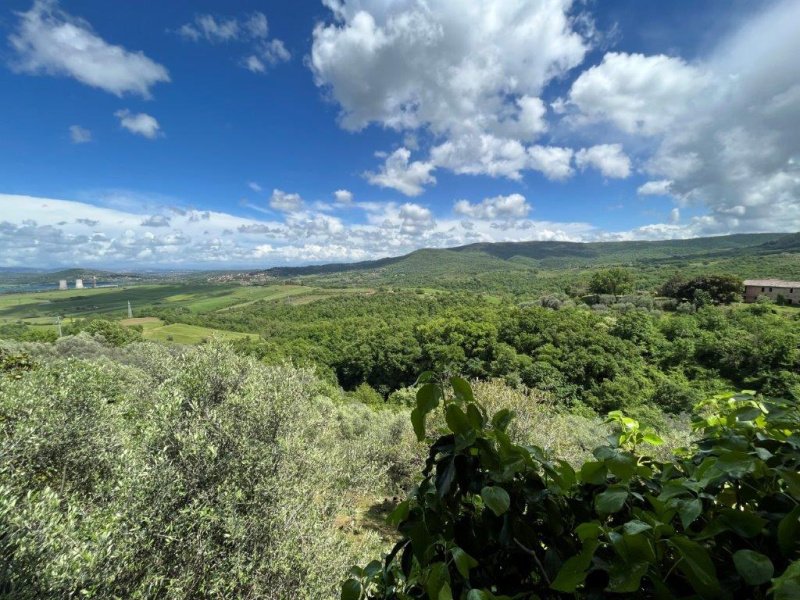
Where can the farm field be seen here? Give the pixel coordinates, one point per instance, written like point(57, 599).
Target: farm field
point(41, 308)
point(180, 333)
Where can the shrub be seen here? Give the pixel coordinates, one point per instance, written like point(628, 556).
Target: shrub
point(492, 519)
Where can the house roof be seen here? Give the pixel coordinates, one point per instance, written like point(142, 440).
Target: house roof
point(771, 283)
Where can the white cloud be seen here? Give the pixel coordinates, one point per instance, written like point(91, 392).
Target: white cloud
point(552, 161)
point(256, 187)
point(638, 93)
point(609, 159)
point(284, 202)
point(471, 73)
point(139, 123)
point(156, 221)
point(50, 41)
point(252, 30)
point(211, 29)
point(513, 206)
point(79, 135)
point(415, 219)
point(343, 196)
point(658, 187)
point(397, 172)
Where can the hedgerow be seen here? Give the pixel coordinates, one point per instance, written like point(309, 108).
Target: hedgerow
point(493, 519)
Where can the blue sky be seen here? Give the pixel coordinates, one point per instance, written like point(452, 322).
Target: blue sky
point(219, 133)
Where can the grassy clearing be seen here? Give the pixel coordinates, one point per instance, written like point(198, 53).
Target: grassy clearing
point(178, 333)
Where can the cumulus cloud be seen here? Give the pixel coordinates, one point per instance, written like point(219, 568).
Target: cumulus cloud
point(156, 221)
point(252, 31)
point(49, 41)
point(470, 73)
point(139, 123)
point(552, 161)
point(609, 159)
point(400, 173)
point(343, 196)
point(284, 202)
point(638, 93)
point(79, 135)
point(513, 206)
point(658, 187)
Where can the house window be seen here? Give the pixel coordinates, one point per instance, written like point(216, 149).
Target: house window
point(791, 290)
point(770, 289)
point(762, 289)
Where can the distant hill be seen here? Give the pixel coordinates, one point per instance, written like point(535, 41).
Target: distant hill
point(510, 256)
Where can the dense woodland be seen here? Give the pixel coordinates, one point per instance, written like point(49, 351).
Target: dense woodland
point(579, 442)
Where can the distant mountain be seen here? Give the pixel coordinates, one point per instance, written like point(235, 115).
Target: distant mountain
point(483, 257)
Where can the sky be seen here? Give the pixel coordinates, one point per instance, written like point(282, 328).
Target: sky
point(243, 134)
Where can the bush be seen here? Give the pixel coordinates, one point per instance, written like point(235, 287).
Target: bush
point(492, 519)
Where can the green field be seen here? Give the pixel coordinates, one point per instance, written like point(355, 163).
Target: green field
point(179, 333)
point(42, 307)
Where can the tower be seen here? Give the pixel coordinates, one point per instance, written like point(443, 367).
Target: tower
point(79, 284)
point(62, 284)
point(130, 312)
point(94, 281)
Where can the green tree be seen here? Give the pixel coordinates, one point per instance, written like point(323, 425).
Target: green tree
point(613, 281)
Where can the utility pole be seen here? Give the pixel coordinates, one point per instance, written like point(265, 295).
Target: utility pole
point(130, 312)
point(58, 324)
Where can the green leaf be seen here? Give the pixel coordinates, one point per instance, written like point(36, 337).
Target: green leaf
point(652, 439)
point(496, 498)
point(476, 594)
point(754, 567)
point(573, 571)
point(428, 397)
point(475, 417)
point(351, 590)
point(590, 530)
point(437, 577)
point(425, 377)
point(445, 593)
point(625, 578)
point(635, 526)
point(594, 472)
point(696, 566)
point(456, 419)
point(462, 389)
point(689, 510)
point(789, 532)
point(502, 419)
point(792, 479)
point(787, 586)
point(418, 422)
point(464, 562)
point(399, 514)
point(611, 500)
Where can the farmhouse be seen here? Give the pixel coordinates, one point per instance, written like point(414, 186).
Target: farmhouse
point(775, 289)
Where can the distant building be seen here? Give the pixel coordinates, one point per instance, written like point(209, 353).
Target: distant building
point(62, 284)
point(94, 281)
point(773, 289)
point(79, 284)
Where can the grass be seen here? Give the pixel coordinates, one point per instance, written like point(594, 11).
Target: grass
point(178, 333)
point(38, 307)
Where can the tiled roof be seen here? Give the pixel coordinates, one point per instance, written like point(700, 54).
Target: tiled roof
point(771, 283)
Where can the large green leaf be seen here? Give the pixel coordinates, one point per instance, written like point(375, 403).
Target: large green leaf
point(496, 498)
point(418, 423)
point(611, 500)
point(789, 532)
point(462, 389)
point(351, 590)
point(574, 570)
point(438, 576)
point(457, 420)
point(428, 397)
point(696, 565)
point(464, 562)
point(754, 567)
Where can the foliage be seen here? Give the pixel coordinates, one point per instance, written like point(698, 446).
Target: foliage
point(184, 474)
point(706, 289)
point(614, 281)
point(494, 519)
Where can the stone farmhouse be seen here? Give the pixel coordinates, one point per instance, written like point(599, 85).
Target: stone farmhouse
point(773, 289)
